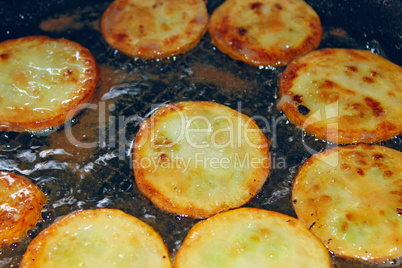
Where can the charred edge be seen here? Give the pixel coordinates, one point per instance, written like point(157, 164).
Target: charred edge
point(141, 29)
point(290, 74)
point(256, 5)
point(399, 210)
point(4, 56)
point(352, 68)
point(375, 106)
point(236, 44)
point(388, 126)
point(368, 80)
point(328, 84)
point(121, 37)
point(297, 98)
point(303, 109)
point(163, 157)
point(242, 31)
point(311, 226)
point(378, 156)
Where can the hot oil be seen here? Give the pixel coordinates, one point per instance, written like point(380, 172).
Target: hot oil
point(86, 164)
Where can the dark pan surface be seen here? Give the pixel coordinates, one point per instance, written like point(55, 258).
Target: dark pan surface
point(76, 178)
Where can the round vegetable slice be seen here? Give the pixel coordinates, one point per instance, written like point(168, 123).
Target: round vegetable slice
point(97, 238)
point(350, 198)
point(200, 158)
point(250, 237)
point(21, 203)
point(43, 82)
point(265, 32)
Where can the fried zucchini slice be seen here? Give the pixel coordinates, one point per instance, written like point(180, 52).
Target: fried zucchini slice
point(343, 95)
point(97, 238)
point(251, 237)
point(21, 203)
point(199, 158)
point(43, 82)
point(350, 198)
point(154, 29)
point(265, 32)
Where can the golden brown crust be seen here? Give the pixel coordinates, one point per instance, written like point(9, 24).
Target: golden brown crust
point(44, 81)
point(97, 238)
point(154, 29)
point(343, 96)
point(218, 161)
point(265, 32)
point(251, 237)
point(350, 198)
point(21, 203)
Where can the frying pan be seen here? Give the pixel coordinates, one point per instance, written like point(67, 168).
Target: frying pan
point(77, 177)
